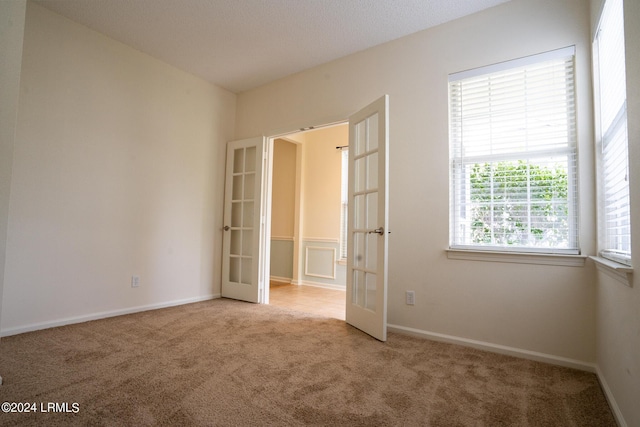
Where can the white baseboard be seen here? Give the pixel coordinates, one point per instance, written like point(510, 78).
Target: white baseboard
point(309, 283)
point(612, 401)
point(323, 285)
point(279, 279)
point(102, 315)
point(496, 348)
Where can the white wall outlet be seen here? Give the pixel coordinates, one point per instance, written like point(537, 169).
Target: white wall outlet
point(411, 297)
point(135, 281)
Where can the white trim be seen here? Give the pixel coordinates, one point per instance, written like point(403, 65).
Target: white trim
point(323, 285)
point(102, 315)
point(622, 273)
point(518, 257)
point(496, 348)
point(279, 279)
point(333, 264)
point(514, 63)
point(282, 238)
point(330, 121)
point(320, 240)
point(617, 413)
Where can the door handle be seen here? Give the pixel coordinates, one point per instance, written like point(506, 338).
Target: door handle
point(226, 228)
point(379, 231)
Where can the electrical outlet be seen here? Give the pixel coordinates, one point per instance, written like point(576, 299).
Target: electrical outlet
point(135, 281)
point(411, 297)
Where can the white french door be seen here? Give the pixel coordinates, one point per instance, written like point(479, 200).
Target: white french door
point(366, 306)
point(245, 234)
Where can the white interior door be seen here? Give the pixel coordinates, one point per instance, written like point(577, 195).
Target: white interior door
point(245, 233)
point(366, 307)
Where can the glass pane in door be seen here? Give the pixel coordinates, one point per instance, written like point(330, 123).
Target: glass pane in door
point(372, 138)
point(247, 270)
point(372, 251)
point(250, 161)
point(242, 205)
point(249, 185)
point(372, 171)
point(371, 292)
point(359, 174)
point(238, 160)
point(358, 288)
point(237, 187)
point(234, 269)
point(371, 212)
point(360, 139)
point(359, 250)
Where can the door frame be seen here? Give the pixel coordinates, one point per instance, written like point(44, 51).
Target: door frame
point(264, 257)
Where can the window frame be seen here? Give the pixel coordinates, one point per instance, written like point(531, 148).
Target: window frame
point(474, 251)
point(604, 140)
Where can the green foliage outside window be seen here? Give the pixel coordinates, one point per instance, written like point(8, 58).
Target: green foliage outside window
point(519, 204)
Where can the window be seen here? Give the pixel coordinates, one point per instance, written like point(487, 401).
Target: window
point(344, 207)
point(614, 224)
point(513, 156)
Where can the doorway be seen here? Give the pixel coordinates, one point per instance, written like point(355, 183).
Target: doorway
point(308, 220)
point(246, 242)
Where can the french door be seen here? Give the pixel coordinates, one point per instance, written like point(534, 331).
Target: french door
point(245, 236)
point(366, 305)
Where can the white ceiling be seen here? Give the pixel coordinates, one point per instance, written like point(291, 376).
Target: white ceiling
point(242, 44)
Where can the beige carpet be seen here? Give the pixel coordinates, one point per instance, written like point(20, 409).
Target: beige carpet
point(228, 363)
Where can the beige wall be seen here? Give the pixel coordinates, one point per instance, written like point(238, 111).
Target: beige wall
point(12, 17)
point(322, 164)
point(118, 170)
point(320, 201)
point(536, 308)
point(284, 189)
point(319, 167)
point(618, 306)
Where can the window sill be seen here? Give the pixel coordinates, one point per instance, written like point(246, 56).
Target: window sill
point(622, 273)
point(517, 257)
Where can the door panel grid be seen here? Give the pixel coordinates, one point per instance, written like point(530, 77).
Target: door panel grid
point(365, 220)
point(241, 251)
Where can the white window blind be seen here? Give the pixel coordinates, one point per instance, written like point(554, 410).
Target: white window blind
point(610, 88)
point(513, 155)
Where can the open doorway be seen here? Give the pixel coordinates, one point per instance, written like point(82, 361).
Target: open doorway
point(246, 242)
point(308, 220)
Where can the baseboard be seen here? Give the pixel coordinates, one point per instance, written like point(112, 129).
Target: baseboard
point(279, 279)
point(612, 401)
point(323, 285)
point(308, 283)
point(496, 348)
point(102, 315)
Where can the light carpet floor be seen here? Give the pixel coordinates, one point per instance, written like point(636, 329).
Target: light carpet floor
point(228, 363)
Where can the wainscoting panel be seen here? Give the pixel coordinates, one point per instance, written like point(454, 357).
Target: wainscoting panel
point(321, 265)
point(282, 257)
point(320, 262)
